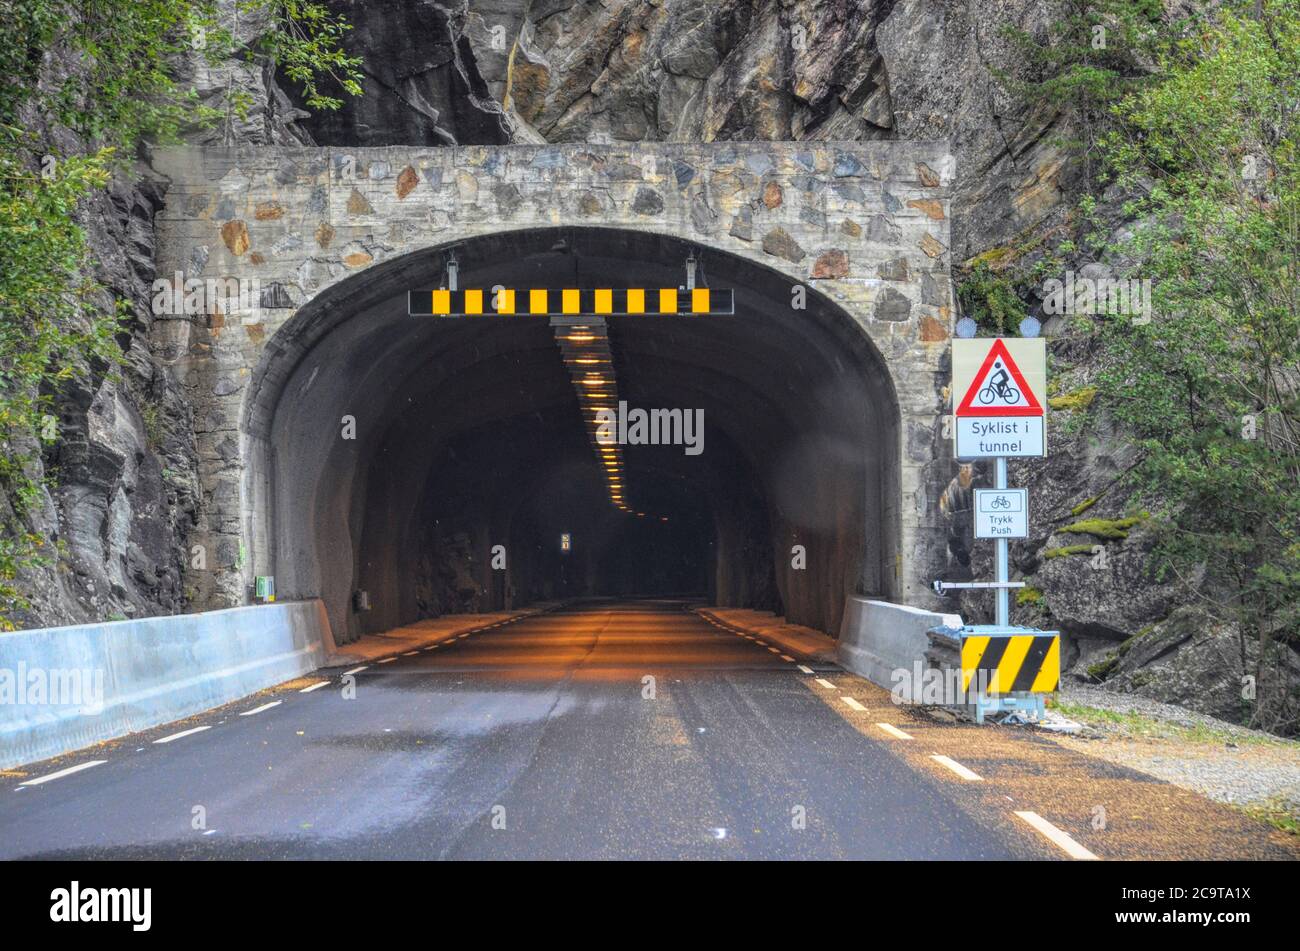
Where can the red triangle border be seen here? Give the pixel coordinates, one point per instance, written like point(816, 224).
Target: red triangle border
point(965, 408)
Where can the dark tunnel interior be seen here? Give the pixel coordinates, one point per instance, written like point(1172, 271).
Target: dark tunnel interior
point(468, 435)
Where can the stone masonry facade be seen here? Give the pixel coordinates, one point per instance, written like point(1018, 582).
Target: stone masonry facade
point(864, 224)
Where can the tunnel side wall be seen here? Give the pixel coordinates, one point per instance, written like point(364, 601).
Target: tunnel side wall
point(864, 224)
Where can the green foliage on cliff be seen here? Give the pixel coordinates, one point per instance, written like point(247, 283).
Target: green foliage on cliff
point(990, 299)
point(1076, 399)
point(44, 339)
point(1211, 385)
point(1108, 528)
point(1096, 51)
point(104, 72)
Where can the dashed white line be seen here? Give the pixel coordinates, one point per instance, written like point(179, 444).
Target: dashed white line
point(183, 733)
point(825, 683)
point(1056, 836)
point(894, 731)
point(410, 653)
point(957, 768)
point(466, 634)
point(853, 704)
point(787, 658)
point(774, 650)
point(388, 660)
point(355, 670)
point(64, 772)
point(265, 706)
point(806, 670)
point(760, 643)
point(315, 686)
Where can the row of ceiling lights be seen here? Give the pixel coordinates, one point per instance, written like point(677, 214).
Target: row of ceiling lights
point(585, 349)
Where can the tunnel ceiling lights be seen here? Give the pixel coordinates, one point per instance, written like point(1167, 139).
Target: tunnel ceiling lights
point(577, 321)
point(583, 345)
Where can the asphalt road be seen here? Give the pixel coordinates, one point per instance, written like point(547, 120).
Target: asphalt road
point(538, 739)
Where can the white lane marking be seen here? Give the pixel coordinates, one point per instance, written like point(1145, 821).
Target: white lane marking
point(355, 670)
point(265, 706)
point(183, 733)
point(63, 772)
point(210, 832)
point(806, 670)
point(388, 660)
point(410, 653)
point(774, 650)
point(316, 686)
point(788, 658)
point(760, 643)
point(825, 683)
point(957, 768)
point(1056, 836)
point(853, 704)
point(894, 731)
point(466, 634)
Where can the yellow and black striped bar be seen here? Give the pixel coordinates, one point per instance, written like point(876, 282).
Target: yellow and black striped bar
point(1015, 663)
point(572, 301)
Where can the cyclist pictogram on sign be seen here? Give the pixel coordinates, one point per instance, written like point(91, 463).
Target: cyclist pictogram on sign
point(999, 388)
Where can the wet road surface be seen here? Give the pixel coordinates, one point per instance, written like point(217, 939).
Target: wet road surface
point(632, 730)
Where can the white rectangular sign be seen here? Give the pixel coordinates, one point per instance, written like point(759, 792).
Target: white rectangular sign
point(1001, 513)
point(1013, 436)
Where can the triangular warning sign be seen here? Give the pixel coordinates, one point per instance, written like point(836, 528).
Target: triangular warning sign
point(999, 388)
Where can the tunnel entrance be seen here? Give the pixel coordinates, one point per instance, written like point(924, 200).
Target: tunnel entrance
point(393, 454)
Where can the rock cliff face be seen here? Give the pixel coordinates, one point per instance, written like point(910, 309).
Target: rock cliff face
point(499, 71)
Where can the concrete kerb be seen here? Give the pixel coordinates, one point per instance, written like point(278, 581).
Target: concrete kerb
point(801, 642)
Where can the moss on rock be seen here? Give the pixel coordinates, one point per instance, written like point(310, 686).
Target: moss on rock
point(1107, 528)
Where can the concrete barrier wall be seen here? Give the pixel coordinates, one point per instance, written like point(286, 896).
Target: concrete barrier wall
point(878, 638)
point(63, 688)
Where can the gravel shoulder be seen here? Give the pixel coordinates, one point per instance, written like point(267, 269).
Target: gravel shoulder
point(1249, 769)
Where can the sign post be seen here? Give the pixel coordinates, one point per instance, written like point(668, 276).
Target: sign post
point(999, 389)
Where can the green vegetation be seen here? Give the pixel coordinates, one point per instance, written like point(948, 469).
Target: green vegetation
point(55, 323)
point(1277, 812)
point(1084, 506)
point(991, 300)
point(1066, 550)
point(1030, 595)
point(1190, 117)
point(1107, 528)
point(1104, 667)
point(1211, 154)
point(1076, 399)
point(1095, 54)
point(1140, 726)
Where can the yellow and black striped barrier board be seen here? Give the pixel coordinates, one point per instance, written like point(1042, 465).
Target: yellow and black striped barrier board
point(576, 301)
point(1012, 663)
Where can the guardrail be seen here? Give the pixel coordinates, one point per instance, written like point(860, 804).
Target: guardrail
point(63, 688)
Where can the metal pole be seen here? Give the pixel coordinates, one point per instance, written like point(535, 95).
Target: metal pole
point(1004, 595)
